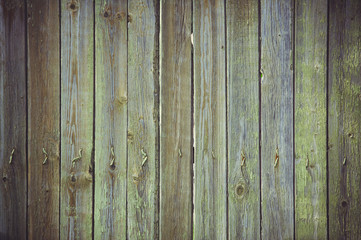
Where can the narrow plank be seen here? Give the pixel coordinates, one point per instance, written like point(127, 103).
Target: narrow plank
point(277, 119)
point(12, 120)
point(344, 114)
point(110, 119)
point(176, 119)
point(243, 119)
point(76, 119)
point(43, 119)
point(210, 207)
point(310, 119)
point(143, 90)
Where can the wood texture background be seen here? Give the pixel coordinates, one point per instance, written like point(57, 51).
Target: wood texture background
point(157, 119)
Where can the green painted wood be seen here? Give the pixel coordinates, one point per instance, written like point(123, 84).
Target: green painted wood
point(310, 119)
point(12, 120)
point(43, 119)
point(344, 114)
point(175, 120)
point(210, 206)
point(243, 119)
point(143, 93)
point(76, 119)
point(110, 119)
point(277, 160)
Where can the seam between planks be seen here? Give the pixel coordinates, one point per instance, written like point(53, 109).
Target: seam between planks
point(260, 115)
point(327, 134)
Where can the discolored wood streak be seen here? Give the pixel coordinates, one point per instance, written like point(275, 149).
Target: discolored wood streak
point(43, 119)
point(210, 120)
point(243, 119)
point(175, 120)
point(310, 119)
point(277, 120)
point(76, 119)
point(143, 92)
point(12, 120)
point(344, 114)
point(110, 119)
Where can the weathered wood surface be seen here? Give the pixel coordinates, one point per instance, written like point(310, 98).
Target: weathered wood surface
point(143, 109)
point(76, 119)
point(210, 206)
point(110, 119)
point(12, 121)
point(310, 119)
point(243, 119)
point(277, 120)
point(344, 126)
point(43, 119)
point(175, 120)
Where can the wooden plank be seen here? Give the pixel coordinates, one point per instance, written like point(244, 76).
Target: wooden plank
point(110, 119)
point(310, 119)
point(175, 120)
point(12, 120)
point(76, 119)
point(277, 160)
point(243, 119)
point(210, 207)
point(344, 114)
point(43, 119)
point(143, 92)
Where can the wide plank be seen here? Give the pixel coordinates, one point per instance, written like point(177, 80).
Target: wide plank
point(210, 176)
point(310, 119)
point(344, 114)
point(277, 155)
point(110, 119)
point(12, 120)
point(175, 120)
point(243, 119)
point(76, 211)
point(143, 123)
point(43, 119)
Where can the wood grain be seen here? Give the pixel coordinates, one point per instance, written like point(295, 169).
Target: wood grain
point(210, 207)
point(43, 119)
point(344, 114)
point(277, 156)
point(110, 119)
point(175, 120)
point(310, 119)
point(76, 119)
point(143, 92)
point(12, 120)
point(243, 119)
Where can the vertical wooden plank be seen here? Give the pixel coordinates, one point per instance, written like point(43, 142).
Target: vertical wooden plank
point(12, 120)
point(210, 120)
point(76, 119)
point(310, 119)
point(175, 120)
point(110, 119)
point(143, 90)
point(243, 119)
point(277, 119)
point(43, 119)
point(344, 114)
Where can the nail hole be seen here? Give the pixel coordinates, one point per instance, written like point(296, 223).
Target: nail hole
point(344, 203)
point(4, 179)
point(73, 178)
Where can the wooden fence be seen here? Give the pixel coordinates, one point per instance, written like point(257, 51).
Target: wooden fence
point(173, 119)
